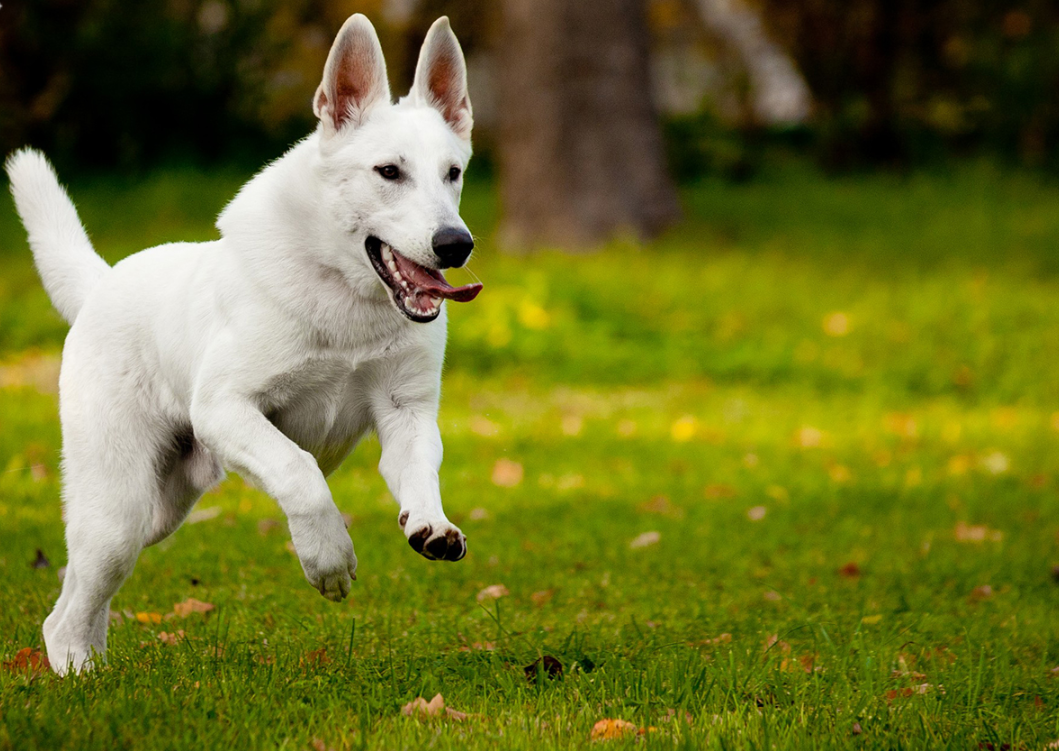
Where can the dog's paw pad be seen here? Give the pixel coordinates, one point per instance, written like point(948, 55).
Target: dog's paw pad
point(450, 546)
point(418, 539)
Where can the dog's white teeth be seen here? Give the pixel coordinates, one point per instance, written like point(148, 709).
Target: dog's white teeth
point(396, 274)
point(387, 256)
point(404, 284)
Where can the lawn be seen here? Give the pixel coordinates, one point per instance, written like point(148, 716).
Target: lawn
point(786, 478)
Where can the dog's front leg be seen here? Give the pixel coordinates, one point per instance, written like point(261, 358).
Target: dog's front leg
point(411, 457)
point(234, 429)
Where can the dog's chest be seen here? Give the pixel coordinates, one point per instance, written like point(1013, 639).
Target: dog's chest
point(322, 406)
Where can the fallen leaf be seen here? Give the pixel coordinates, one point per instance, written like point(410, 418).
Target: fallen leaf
point(41, 561)
point(316, 658)
point(608, 730)
point(319, 745)
point(479, 646)
point(808, 437)
point(191, 605)
point(996, 463)
point(646, 539)
point(422, 709)
point(483, 426)
point(28, 660)
point(149, 617)
point(506, 473)
point(976, 533)
point(478, 514)
point(756, 513)
point(871, 620)
point(546, 665)
point(857, 730)
point(850, 570)
point(173, 638)
point(983, 592)
point(542, 597)
point(493, 592)
point(836, 324)
point(266, 525)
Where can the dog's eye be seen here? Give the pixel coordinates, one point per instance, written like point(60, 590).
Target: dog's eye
point(389, 171)
point(454, 173)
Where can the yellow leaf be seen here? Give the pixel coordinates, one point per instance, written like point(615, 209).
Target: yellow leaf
point(870, 620)
point(149, 617)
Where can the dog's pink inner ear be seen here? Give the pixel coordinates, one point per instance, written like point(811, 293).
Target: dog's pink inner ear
point(448, 89)
point(441, 79)
point(354, 77)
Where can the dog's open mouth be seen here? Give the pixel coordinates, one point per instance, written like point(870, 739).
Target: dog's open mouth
point(417, 290)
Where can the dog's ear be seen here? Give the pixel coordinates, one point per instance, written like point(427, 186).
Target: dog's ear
point(354, 77)
point(441, 78)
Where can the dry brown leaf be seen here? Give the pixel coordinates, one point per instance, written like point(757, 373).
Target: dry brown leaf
point(173, 638)
point(421, 709)
point(316, 658)
point(541, 598)
point(493, 592)
point(506, 473)
point(29, 661)
point(983, 592)
point(850, 570)
point(191, 605)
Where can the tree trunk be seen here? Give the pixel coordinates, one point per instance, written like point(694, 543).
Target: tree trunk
point(580, 150)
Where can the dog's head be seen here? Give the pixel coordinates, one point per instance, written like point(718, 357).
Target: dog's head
point(393, 172)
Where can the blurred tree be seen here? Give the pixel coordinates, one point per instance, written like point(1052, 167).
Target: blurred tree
point(580, 150)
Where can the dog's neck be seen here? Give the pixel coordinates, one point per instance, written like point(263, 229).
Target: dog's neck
point(293, 253)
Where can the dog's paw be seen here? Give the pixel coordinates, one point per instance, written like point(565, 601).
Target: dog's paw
point(326, 554)
point(438, 540)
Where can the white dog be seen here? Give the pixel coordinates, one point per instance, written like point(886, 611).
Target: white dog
point(316, 317)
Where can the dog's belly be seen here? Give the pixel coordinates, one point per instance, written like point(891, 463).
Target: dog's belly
point(324, 416)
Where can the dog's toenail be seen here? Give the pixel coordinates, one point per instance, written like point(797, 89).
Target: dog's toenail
point(403, 519)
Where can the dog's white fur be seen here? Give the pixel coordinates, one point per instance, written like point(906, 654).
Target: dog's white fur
point(269, 352)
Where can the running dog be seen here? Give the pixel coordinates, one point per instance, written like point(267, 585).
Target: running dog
point(318, 316)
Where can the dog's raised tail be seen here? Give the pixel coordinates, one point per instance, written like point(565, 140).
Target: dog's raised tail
point(65, 259)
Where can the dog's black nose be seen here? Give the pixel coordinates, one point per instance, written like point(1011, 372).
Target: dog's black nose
point(452, 246)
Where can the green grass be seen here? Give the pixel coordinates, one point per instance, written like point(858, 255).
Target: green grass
point(803, 375)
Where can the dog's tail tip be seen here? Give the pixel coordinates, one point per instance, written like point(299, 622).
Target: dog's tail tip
point(68, 265)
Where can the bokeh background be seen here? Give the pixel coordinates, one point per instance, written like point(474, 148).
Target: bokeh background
point(757, 413)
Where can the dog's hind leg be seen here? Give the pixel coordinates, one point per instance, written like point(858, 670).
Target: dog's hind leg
point(108, 520)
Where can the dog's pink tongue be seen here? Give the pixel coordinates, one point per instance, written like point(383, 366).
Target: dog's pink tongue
point(433, 283)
